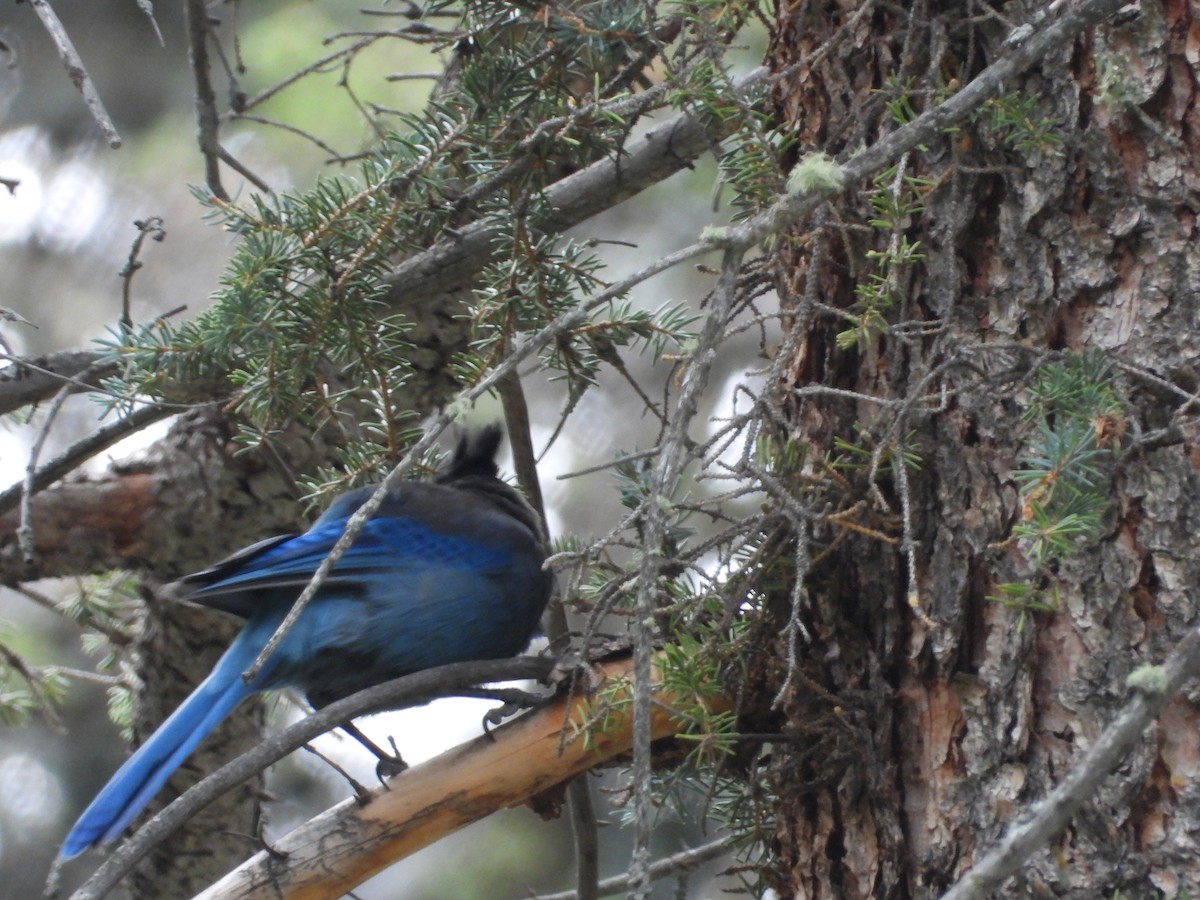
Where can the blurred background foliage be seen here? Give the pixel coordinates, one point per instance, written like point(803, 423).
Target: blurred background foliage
point(66, 232)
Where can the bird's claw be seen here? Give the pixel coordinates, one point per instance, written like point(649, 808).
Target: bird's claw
point(514, 700)
point(260, 835)
point(389, 766)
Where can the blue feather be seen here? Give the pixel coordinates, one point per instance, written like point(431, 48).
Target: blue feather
point(445, 572)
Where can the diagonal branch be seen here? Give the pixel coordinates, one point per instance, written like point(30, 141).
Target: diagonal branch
point(79, 76)
point(665, 150)
point(1155, 686)
point(683, 861)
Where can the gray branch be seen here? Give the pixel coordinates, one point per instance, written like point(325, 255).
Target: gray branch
point(75, 69)
point(1154, 688)
point(453, 263)
point(25, 382)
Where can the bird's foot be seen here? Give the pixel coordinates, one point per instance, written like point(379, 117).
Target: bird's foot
point(514, 701)
point(390, 764)
point(260, 836)
point(362, 795)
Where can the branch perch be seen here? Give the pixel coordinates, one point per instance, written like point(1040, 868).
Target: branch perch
point(330, 854)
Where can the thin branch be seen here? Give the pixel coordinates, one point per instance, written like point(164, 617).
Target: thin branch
point(663, 151)
point(152, 228)
point(230, 160)
point(579, 797)
point(81, 451)
point(316, 66)
point(87, 620)
point(612, 463)
point(671, 462)
point(354, 525)
point(208, 120)
point(25, 528)
point(30, 380)
point(1153, 690)
point(683, 861)
point(271, 123)
point(580, 806)
point(34, 679)
point(79, 76)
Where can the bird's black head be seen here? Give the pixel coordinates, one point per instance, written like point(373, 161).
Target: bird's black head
point(473, 468)
point(474, 455)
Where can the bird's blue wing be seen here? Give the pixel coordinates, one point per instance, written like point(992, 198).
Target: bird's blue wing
point(445, 571)
point(401, 538)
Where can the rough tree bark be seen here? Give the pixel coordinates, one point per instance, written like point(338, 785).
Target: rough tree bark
point(934, 729)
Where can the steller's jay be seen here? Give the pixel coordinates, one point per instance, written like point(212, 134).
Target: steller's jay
point(446, 571)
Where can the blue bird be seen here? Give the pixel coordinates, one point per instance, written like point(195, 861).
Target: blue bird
point(446, 571)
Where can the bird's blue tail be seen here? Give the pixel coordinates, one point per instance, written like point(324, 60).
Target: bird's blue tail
point(140, 778)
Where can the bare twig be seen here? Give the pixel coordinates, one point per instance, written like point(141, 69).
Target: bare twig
point(354, 525)
point(79, 76)
point(230, 160)
point(147, 9)
point(27, 381)
point(115, 635)
point(34, 678)
point(682, 861)
point(579, 798)
point(600, 467)
point(207, 118)
point(316, 66)
point(25, 529)
point(152, 228)
point(671, 462)
point(271, 123)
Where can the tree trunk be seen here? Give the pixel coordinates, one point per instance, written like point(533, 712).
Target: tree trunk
point(1060, 220)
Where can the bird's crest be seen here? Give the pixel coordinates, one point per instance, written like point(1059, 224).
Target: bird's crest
point(474, 455)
